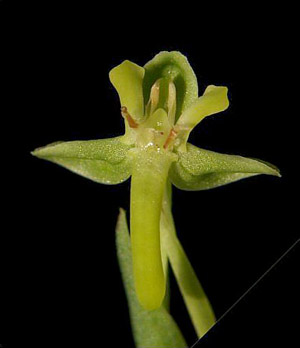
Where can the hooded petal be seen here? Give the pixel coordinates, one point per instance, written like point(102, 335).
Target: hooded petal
point(199, 169)
point(173, 66)
point(127, 78)
point(103, 161)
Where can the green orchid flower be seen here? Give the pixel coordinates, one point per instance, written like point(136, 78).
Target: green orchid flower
point(160, 106)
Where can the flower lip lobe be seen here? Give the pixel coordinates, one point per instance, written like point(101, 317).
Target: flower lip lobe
point(149, 176)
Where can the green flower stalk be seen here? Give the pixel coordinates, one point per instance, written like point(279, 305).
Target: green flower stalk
point(160, 106)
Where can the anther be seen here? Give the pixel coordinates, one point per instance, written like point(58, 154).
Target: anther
point(128, 117)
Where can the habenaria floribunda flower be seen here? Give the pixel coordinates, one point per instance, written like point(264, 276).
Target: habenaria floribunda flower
point(160, 106)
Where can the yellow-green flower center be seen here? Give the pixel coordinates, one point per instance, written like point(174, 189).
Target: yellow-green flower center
point(155, 129)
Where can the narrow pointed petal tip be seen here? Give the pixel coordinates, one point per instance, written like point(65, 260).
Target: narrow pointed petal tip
point(276, 172)
point(270, 169)
point(34, 153)
point(43, 151)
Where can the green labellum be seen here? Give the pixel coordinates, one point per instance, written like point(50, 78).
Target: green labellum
point(149, 175)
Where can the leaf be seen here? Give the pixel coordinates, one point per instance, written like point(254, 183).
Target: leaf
point(103, 161)
point(174, 66)
point(196, 301)
point(151, 329)
point(199, 169)
point(127, 78)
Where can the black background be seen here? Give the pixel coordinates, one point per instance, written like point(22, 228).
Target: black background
point(58, 252)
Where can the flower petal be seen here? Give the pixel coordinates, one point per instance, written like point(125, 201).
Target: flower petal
point(174, 66)
point(199, 169)
point(127, 78)
point(214, 100)
point(103, 161)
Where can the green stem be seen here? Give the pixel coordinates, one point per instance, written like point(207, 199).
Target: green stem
point(196, 301)
point(149, 175)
